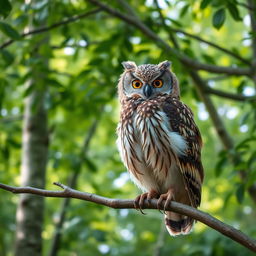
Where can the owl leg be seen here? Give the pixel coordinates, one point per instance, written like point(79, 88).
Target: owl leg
point(168, 197)
point(140, 199)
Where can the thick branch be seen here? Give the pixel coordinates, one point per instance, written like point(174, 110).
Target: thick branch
point(205, 218)
point(193, 64)
point(55, 25)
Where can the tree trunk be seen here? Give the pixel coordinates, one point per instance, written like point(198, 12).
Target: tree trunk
point(29, 216)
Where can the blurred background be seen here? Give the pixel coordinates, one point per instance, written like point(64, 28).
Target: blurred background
point(60, 62)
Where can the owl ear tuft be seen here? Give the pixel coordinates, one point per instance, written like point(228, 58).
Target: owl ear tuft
point(164, 65)
point(129, 65)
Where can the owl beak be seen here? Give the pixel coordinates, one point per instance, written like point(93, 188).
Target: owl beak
point(147, 90)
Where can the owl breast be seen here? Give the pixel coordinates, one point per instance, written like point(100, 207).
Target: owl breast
point(148, 146)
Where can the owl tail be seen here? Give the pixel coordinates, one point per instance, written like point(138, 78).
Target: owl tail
point(177, 224)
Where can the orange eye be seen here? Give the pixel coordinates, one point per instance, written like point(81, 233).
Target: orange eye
point(158, 83)
point(136, 84)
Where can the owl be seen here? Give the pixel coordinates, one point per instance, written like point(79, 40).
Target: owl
point(158, 140)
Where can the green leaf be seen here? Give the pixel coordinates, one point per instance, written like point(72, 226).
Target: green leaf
point(5, 8)
point(184, 10)
point(7, 57)
point(219, 18)
point(204, 4)
point(9, 31)
point(220, 166)
point(90, 164)
point(240, 193)
point(233, 10)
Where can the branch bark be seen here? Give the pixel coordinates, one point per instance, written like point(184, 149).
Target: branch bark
point(55, 25)
point(203, 217)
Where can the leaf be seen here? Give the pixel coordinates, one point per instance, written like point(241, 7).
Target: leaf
point(233, 10)
point(184, 10)
point(6, 8)
point(204, 4)
point(219, 18)
point(209, 59)
point(220, 166)
point(90, 164)
point(240, 193)
point(9, 31)
point(7, 57)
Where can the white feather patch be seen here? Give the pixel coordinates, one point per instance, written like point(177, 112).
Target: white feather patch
point(178, 143)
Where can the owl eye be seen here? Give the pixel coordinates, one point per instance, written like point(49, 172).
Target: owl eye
point(136, 84)
point(158, 83)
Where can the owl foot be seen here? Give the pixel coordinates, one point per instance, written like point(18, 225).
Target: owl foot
point(168, 197)
point(140, 199)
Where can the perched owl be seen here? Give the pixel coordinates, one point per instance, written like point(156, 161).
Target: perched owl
point(159, 141)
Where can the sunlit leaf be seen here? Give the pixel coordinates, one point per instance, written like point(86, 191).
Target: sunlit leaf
point(204, 3)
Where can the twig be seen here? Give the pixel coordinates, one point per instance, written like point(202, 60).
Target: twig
point(55, 25)
point(205, 218)
point(193, 64)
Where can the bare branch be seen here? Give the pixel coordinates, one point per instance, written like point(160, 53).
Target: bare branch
point(55, 25)
point(232, 96)
point(205, 218)
point(193, 64)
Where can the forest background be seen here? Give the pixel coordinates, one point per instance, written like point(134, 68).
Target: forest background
point(60, 62)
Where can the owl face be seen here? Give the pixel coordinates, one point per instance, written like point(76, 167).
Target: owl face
point(148, 80)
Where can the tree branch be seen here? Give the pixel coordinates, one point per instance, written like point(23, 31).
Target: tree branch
point(55, 25)
point(193, 64)
point(198, 38)
point(168, 28)
point(205, 218)
point(232, 96)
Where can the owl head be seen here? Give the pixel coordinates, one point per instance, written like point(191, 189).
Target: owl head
point(147, 81)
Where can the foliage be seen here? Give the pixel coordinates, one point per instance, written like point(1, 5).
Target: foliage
point(83, 69)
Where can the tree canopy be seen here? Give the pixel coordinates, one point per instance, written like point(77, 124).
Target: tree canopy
point(60, 61)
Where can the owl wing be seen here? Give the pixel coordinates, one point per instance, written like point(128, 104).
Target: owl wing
point(182, 121)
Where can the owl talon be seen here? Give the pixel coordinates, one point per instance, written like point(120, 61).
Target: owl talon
point(168, 197)
point(140, 200)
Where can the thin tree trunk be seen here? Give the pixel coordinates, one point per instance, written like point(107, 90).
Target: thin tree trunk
point(30, 210)
point(29, 216)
